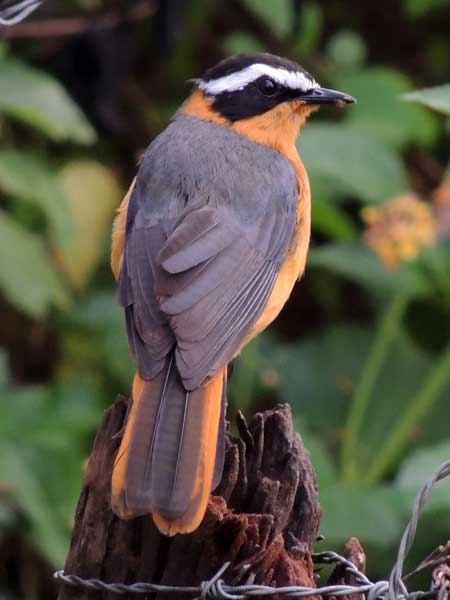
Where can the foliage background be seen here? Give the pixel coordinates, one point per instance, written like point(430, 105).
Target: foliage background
point(362, 350)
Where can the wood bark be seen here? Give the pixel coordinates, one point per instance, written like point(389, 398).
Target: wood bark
point(265, 513)
point(354, 552)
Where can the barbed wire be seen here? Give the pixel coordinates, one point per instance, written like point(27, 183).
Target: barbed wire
point(13, 13)
point(396, 584)
point(216, 589)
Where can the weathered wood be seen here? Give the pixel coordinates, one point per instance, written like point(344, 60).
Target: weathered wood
point(354, 552)
point(265, 513)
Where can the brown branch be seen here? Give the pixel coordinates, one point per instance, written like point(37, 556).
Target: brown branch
point(72, 26)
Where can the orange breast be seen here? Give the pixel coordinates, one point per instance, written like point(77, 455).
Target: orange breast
point(294, 264)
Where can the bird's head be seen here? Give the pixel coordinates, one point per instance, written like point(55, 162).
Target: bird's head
point(261, 91)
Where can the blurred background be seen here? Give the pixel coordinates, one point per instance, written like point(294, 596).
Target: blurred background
point(361, 351)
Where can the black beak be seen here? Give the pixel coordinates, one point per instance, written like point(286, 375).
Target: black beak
point(324, 96)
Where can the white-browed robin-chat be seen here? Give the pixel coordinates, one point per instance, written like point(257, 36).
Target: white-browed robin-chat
point(207, 246)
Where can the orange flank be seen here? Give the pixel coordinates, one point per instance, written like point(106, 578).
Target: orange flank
point(118, 234)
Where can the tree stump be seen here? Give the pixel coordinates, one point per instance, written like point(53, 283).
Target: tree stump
point(265, 513)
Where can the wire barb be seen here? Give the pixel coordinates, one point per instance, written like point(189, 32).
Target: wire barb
point(216, 589)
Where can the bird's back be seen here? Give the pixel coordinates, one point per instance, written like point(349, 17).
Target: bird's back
point(195, 163)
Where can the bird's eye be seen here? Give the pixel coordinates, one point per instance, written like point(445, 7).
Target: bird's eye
point(268, 87)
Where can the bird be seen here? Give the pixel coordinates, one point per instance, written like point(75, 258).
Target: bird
point(206, 248)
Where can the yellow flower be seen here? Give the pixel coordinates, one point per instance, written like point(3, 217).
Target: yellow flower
point(441, 203)
point(399, 229)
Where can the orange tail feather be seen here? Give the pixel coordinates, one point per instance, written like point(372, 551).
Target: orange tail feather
point(167, 458)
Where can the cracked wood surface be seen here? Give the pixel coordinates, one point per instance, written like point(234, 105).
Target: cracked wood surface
point(265, 513)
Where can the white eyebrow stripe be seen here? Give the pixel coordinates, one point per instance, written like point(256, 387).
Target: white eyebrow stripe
point(238, 80)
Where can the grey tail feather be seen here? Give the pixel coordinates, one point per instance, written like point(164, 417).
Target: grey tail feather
point(178, 448)
point(164, 448)
point(144, 418)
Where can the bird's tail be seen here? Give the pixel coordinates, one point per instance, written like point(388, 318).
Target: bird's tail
point(172, 451)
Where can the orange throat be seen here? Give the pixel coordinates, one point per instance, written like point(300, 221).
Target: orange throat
point(277, 128)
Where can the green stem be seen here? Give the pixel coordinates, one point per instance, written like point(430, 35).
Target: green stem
point(421, 404)
point(434, 272)
point(363, 389)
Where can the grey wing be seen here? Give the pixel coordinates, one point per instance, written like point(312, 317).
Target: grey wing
point(148, 329)
point(215, 276)
point(201, 261)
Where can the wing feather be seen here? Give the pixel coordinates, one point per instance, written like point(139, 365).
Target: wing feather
point(201, 289)
point(149, 333)
point(201, 261)
point(203, 358)
point(200, 236)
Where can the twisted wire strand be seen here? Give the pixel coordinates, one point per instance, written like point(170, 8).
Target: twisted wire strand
point(216, 589)
point(11, 15)
point(396, 585)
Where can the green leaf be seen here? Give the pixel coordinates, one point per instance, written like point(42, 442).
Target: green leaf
point(402, 374)
point(347, 49)
point(309, 28)
point(419, 467)
point(42, 468)
point(370, 515)
point(20, 470)
point(437, 98)
point(101, 317)
point(324, 466)
point(7, 520)
point(25, 176)
point(238, 42)
point(332, 221)
point(360, 163)
point(3, 49)
point(320, 396)
point(324, 397)
point(380, 110)
point(4, 370)
point(27, 277)
point(24, 407)
point(278, 15)
point(356, 262)
point(75, 406)
point(425, 387)
point(418, 8)
point(93, 194)
point(50, 418)
point(37, 99)
point(246, 383)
